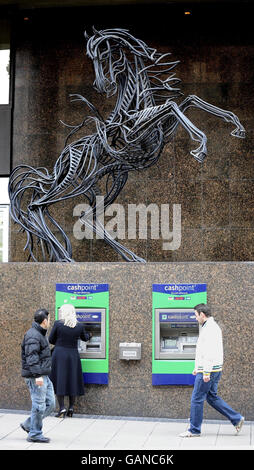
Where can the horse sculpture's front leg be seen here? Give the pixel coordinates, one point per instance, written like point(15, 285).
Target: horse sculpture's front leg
point(145, 120)
point(196, 134)
point(228, 116)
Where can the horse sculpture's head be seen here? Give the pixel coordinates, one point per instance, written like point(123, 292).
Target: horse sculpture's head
point(109, 50)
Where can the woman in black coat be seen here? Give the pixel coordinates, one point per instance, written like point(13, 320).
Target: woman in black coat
point(66, 372)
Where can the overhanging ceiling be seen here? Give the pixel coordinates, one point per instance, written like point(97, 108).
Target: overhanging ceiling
point(28, 4)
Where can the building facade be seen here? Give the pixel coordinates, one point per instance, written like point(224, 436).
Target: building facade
point(48, 63)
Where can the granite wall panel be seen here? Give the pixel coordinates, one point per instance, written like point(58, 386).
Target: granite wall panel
point(26, 287)
point(215, 197)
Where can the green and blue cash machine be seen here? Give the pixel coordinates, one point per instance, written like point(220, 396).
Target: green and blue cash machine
point(175, 332)
point(91, 302)
point(175, 329)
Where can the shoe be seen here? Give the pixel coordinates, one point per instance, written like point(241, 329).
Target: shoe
point(41, 439)
point(188, 434)
point(239, 425)
point(61, 413)
point(23, 427)
point(70, 412)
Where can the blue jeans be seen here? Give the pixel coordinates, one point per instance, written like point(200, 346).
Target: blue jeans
point(208, 391)
point(43, 403)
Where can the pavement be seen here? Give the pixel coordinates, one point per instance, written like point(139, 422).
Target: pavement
point(86, 432)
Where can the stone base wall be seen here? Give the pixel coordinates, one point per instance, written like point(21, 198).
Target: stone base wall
point(230, 286)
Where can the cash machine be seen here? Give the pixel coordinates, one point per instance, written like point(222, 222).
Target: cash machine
point(175, 332)
point(91, 302)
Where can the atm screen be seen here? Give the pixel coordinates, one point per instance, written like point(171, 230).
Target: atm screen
point(94, 322)
point(176, 334)
point(169, 343)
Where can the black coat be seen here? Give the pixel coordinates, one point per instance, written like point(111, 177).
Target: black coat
point(66, 373)
point(35, 352)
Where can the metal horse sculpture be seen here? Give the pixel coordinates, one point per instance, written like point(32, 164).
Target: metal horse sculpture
point(144, 119)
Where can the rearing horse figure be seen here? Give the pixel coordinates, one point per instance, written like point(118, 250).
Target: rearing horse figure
point(133, 136)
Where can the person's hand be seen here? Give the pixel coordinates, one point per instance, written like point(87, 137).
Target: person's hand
point(39, 381)
point(194, 372)
point(206, 378)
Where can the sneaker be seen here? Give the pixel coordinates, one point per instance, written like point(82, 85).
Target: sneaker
point(23, 427)
point(239, 425)
point(41, 439)
point(188, 434)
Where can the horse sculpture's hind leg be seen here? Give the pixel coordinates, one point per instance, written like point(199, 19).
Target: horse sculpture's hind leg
point(93, 220)
point(228, 116)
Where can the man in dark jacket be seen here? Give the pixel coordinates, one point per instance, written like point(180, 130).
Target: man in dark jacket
point(36, 367)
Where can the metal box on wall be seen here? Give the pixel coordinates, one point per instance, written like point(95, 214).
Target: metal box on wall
point(130, 351)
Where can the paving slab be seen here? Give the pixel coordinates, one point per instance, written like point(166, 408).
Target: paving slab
point(97, 435)
point(132, 435)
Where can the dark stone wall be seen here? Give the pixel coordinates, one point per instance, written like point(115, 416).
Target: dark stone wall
point(216, 57)
point(26, 287)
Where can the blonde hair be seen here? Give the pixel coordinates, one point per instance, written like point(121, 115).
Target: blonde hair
point(67, 314)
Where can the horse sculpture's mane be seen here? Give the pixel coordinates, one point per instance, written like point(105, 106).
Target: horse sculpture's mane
point(144, 119)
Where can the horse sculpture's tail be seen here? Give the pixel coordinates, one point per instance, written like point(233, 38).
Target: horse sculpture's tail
point(35, 220)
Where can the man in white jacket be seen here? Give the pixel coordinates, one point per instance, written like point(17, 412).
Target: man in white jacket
point(208, 367)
